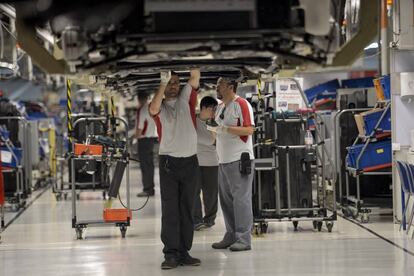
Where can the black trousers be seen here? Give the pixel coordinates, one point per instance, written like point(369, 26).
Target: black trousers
point(146, 158)
point(178, 177)
point(208, 185)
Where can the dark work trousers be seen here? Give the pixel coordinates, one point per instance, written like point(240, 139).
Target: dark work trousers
point(146, 158)
point(178, 178)
point(208, 185)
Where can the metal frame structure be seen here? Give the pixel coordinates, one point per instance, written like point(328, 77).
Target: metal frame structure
point(319, 212)
point(23, 170)
point(80, 225)
point(354, 206)
point(62, 187)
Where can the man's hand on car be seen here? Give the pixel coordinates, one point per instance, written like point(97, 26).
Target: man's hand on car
point(165, 77)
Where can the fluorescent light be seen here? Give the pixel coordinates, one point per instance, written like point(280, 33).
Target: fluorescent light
point(372, 46)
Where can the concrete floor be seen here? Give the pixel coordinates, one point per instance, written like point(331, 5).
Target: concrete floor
point(42, 242)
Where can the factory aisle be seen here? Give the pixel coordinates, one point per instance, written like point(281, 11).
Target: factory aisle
point(42, 242)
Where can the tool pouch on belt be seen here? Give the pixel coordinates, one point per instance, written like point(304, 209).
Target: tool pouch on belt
point(245, 164)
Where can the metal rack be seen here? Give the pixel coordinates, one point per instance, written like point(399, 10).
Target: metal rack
point(353, 205)
point(317, 213)
point(23, 169)
point(62, 187)
point(107, 159)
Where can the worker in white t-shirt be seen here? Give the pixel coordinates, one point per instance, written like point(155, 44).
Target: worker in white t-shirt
point(208, 161)
point(146, 133)
point(234, 117)
point(173, 109)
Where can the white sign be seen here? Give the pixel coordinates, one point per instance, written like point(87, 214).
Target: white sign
point(6, 156)
point(288, 96)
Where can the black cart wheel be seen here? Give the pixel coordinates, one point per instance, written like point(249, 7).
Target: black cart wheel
point(263, 227)
point(346, 212)
point(65, 196)
point(123, 229)
point(58, 196)
point(295, 225)
point(315, 225)
point(2, 223)
point(320, 226)
point(77, 196)
point(104, 195)
point(15, 207)
point(364, 217)
point(256, 229)
point(79, 233)
point(329, 225)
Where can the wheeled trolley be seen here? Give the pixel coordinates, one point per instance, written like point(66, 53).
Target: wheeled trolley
point(114, 152)
point(291, 179)
point(16, 159)
point(89, 125)
point(369, 156)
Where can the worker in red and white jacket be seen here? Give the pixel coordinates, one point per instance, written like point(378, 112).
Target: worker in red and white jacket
point(173, 109)
point(234, 117)
point(146, 133)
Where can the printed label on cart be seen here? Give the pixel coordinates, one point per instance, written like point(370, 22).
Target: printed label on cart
point(380, 151)
point(6, 157)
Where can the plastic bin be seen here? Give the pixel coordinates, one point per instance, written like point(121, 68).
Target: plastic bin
point(81, 149)
point(358, 83)
point(386, 86)
point(371, 118)
point(329, 88)
point(117, 215)
point(379, 90)
point(376, 155)
point(8, 160)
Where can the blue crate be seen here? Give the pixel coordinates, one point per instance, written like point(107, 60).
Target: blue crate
point(13, 164)
point(386, 86)
point(376, 155)
point(372, 119)
point(321, 89)
point(358, 83)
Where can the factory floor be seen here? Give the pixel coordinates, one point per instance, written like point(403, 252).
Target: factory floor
point(41, 242)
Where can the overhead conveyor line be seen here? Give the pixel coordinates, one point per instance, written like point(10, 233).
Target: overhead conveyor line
point(263, 62)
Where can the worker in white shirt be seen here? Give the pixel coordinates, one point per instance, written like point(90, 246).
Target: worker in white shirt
point(208, 161)
point(146, 133)
point(173, 109)
point(234, 117)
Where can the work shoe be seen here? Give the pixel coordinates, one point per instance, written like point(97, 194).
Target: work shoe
point(238, 246)
point(145, 194)
point(199, 226)
point(222, 244)
point(169, 263)
point(190, 261)
point(209, 224)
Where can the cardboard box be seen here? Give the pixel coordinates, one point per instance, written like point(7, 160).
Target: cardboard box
point(359, 120)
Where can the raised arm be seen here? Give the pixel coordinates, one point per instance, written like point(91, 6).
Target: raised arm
point(155, 105)
point(194, 80)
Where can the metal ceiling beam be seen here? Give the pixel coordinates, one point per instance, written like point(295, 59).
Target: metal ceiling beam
point(368, 30)
point(26, 36)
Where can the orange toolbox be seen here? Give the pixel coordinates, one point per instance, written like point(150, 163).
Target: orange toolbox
point(117, 215)
point(82, 149)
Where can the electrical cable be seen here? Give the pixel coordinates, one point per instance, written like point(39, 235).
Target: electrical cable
point(133, 210)
point(7, 30)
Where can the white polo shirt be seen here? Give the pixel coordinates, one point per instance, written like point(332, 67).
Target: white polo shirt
point(176, 125)
point(206, 148)
point(145, 122)
point(229, 146)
